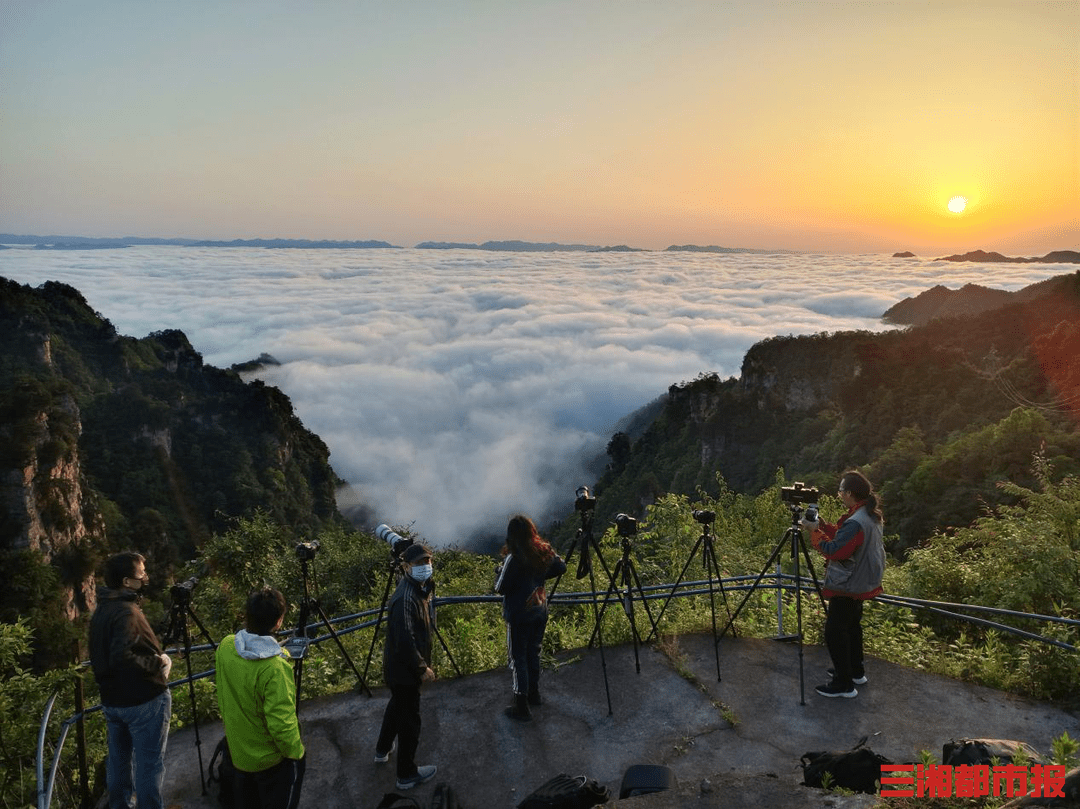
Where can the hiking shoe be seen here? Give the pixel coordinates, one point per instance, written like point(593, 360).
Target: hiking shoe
point(834, 690)
point(423, 774)
point(382, 758)
point(860, 680)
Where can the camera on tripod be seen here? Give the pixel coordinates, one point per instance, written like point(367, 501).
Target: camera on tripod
point(626, 525)
point(305, 551)
point(397, 542)
point(799, 494)
point(704, 517)
point(584, 501)
point(181, 593)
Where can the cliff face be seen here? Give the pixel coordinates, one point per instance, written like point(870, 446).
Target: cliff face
point(110, 442)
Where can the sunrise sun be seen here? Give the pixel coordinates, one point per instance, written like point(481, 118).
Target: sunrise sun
point(957, 204)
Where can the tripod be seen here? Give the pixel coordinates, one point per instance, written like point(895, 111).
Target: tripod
point(394, 569)
point(792, 538)
point(176, 630)
point(297, 645)
point(584, 542)
point(712, 570)
point(627, 576)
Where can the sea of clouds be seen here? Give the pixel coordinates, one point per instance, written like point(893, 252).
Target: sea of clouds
point(458, 387)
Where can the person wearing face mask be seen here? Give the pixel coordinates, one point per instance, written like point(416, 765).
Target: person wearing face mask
point(132, 674)
point(853, 574)
point(407, 666)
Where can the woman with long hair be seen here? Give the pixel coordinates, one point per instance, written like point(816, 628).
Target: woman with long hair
point(528, 562)
point(853, 573)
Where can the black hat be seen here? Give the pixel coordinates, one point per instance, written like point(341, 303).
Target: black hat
point(416, 551)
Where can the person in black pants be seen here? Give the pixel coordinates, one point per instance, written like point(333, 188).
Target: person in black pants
point(853, 573)
point(529, 562)
point(407, 666)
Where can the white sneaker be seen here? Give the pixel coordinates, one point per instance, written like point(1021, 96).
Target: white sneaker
point(382, 758)
point(423, 774)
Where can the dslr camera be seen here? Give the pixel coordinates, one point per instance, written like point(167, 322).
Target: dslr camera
point(798, 494)
point(181, 593)
point(626, 525)
point(584, 500)
point(305, 551)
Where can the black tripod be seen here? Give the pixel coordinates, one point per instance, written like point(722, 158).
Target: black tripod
point(793, 539)
point(176, 630)
point(712, 570)
point(297, 645)
point(623, 580)
point(585, 543)
point(393, 573)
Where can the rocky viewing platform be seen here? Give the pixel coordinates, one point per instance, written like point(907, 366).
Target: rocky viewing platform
point(731, 743)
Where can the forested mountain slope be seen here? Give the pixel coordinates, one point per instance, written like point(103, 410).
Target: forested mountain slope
point(109, 442)
point(937, 414)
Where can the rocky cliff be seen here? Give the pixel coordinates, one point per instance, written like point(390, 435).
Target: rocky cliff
point(111, 442)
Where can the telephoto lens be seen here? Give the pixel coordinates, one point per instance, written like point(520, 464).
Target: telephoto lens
point(396, 541)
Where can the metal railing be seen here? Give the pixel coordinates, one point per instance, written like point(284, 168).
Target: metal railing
point(779, 582)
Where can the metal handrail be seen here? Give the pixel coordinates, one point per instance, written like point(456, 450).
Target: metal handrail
point(777, 582)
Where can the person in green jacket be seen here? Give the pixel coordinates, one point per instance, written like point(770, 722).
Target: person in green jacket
point(257, 697)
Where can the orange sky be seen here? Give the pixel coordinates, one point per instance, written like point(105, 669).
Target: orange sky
point(832, 126)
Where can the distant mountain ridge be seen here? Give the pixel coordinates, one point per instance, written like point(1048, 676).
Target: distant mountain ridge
point(1056, 257)
point(971, 299)
point(91, 242)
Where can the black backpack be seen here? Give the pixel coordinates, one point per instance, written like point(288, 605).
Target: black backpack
point(566, 792)
point(982, 751)
point(222, 772)
point(856, 769)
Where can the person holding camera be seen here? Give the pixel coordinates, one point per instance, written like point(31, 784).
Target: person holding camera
point(407, 666)
point(257, 697)
point(529, 561)
point(853, 573)
point(132, 674)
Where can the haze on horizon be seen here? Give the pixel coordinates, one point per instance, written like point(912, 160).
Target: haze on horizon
point(819, 126)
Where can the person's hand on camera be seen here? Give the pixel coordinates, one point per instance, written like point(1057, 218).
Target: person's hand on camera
point(428, 676)
point(166, 664)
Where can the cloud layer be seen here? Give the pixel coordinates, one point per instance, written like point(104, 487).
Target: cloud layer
point(455, 388)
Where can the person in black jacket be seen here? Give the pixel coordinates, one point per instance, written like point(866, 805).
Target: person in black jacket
point(407, 665)
point(529, 562)
point(132, 674)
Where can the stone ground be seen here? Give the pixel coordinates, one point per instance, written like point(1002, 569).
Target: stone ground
point(667, 715)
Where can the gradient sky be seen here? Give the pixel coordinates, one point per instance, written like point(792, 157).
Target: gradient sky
point(826, 126)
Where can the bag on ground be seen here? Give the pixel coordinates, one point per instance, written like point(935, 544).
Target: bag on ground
point(957, 752)
point(857, 769)
point(566, 792)
point(221, 774)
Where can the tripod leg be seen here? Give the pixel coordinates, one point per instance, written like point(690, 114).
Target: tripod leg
point(623, 567)
point(194, 709)
point(378, 621)
point(611, 590)
point(776, 553)
point(641, 593)
point(446, 649)
point(813, 577)
point(569, 556)
point(711, 566)
point(341, 648)
point(674, 587)
point(600, 637)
